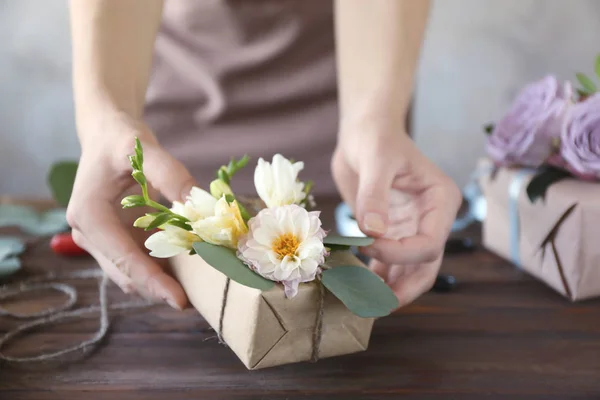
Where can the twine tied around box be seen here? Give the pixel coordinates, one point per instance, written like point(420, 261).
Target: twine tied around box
point(317, 333)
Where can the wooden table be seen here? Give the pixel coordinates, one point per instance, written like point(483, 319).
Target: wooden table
point(500, 335)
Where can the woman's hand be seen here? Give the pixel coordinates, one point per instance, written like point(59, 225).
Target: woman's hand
point(101, 226)
point(400, 198)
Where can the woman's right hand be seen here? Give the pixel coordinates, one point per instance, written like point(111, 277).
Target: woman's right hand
point(99, 223)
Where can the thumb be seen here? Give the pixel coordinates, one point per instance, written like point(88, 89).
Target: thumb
point(166, 174)
point(376, 175)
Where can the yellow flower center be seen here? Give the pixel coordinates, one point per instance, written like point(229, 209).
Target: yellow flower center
point(285, 245)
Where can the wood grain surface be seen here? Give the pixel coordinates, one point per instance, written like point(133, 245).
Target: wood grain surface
point(499, 335)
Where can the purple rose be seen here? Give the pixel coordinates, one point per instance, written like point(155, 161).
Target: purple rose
point(526, 134)
point(580, 138)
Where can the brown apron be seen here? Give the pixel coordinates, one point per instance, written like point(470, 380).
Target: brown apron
point(256, 77)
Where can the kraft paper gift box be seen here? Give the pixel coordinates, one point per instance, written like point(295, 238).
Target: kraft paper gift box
point(266, 329)
point(554, 239)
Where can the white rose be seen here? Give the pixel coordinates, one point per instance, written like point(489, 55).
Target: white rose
point(284, 244)
point(277, 182)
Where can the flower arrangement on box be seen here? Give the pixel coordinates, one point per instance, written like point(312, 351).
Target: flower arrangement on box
point(552, 129)
point(281, 242)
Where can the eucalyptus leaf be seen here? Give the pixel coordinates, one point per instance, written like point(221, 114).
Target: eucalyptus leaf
point(61, 179)
point(50, 223)
point(361, 291)
point(224, 260)
point(588, 85)
point(349, 241)
point(30, 221)
point(337, 247)
point(545, 177)
point(597, 66)
point(10, 247)
point(9, 266)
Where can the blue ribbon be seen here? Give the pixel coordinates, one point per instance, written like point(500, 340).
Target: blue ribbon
point(513, 214)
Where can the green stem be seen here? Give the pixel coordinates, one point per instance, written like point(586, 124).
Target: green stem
point(145, 193)
point(157, 206)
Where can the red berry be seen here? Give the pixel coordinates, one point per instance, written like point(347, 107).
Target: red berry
point(63, 244)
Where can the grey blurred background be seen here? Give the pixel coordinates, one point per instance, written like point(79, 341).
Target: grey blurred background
point(476, 57)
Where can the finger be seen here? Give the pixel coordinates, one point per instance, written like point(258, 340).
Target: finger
point(428, 244)
point(119, 278)
point(416, 249)
point(345, 179)
point(409, 286)
point(104, 229)
point(372, 201)
point(166, 174)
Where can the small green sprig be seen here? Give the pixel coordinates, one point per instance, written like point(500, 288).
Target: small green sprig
point(150, 220)
point(588, 86)
point(220, 186)
point(226, 172)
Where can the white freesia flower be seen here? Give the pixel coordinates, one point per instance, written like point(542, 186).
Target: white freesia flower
point(211, 220)
point(199, 204)
point(277, 182)
point(284, 244)
point(170, 242)
point(224, 226)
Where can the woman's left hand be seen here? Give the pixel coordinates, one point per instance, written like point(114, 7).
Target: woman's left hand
point(402, 199)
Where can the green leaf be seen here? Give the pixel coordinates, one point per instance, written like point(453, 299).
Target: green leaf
point(9, 266)
point(222, 175)
point(337, 247)
point(139, 153)
point(180, 224)
point(545, 177)
point(229, 198)
point(489, 128)
point(582, 94)
point(10, 247)
point(224, 260)
point(134, 164)
point(244, 213)
point(61, 179)
point(32, 222)
point(588, 85)
point(161, 219)
point(242, 162)
point(50, 223)
point(597, 66)
point(361, 291)
point(348, 241)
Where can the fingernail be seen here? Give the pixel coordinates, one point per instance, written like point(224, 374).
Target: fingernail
point(374, 223)
point(172, 303)
point(127, 288)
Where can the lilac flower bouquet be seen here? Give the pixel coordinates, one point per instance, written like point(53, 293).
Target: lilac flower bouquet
point(552, 129)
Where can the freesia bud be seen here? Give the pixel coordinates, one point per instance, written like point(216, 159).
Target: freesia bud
point(133, 201)
point(143, 222)
point(218, 188)
point(139, 177)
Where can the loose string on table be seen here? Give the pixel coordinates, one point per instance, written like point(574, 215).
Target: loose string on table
point(53, 315)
